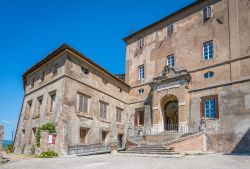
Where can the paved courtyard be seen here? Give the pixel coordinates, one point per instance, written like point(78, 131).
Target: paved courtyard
point(215, 161)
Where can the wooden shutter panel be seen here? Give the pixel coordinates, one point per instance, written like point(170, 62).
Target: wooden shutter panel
point(136, 119)
point(202, 107)
point(85, 106)
point(101, 110)
point(216, 106)
point(204, 13)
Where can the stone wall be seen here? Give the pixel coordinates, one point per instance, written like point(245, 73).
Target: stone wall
point(195, 142)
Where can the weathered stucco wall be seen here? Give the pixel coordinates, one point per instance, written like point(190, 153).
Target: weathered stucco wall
point(231, 131)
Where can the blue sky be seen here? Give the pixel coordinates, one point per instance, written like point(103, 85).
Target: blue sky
point(29, 30)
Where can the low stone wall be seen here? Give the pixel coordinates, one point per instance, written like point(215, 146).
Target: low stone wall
point(194, 142)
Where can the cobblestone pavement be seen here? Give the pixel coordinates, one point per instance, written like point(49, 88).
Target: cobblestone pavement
point(214, 161)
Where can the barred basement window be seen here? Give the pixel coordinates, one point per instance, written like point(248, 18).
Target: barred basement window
point(83, 135)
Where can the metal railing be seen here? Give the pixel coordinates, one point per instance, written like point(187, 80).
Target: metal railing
point(177, 128)
point(90, 149)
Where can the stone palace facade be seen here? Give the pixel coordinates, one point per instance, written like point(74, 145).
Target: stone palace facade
point(186, 73)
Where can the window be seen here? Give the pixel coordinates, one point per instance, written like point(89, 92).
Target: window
point(52, 102)
point(28, 111)
point(141, 91)
point(83, 135)
point(42, 76)
point(119, 115)
point(39, 106)
point(208, 75)
point(33, 136)
point(85, 70)
point(141, 42)
point(105, 137)
point(55, 69)
point(139, 117)
point(141, 72)
point(170, 29)
point(208, 50)
point(32, 81)
point(207, 13)
point(103, 110)
point(82, 103)
point(170, 61)
point(210, 108)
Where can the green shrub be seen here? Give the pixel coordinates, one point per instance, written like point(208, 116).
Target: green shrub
point(9, 148)
point(51, 127)
point(48, 154)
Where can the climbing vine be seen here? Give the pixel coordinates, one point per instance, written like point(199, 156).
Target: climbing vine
point(51, 127)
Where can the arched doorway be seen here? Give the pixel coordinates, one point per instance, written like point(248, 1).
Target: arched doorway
point(170, 114)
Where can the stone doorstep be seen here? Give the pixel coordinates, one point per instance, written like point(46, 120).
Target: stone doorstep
point(150, 155)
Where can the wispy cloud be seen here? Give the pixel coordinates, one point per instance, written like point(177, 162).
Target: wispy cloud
point(7, 121)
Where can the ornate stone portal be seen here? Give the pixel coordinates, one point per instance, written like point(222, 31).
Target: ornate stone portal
point(170, 99)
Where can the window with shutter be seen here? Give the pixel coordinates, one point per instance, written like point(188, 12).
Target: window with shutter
point(82, 104)
point(207, 13)
point(103, 110)
point(210, 107)
point(119, 115)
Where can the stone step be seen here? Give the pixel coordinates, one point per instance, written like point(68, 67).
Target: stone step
point(143, 152)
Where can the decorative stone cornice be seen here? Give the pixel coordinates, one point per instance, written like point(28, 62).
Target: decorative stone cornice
point(170, 74)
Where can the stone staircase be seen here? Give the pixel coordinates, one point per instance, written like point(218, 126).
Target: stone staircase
point(149, 149)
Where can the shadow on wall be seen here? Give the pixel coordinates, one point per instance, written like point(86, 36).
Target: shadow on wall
point(243, 145)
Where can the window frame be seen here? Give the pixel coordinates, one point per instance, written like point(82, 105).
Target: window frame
point(170, 30)
point(119, 115)
point(141, 72)
point(141, 42)
point(171, 60)
point(52, 102)
point(55, 69)
point(103, 114)
point(42, 76)
point(206, 46)
point(137, 117)
point(84, 96)
point(207, 13)
point(216, 106)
